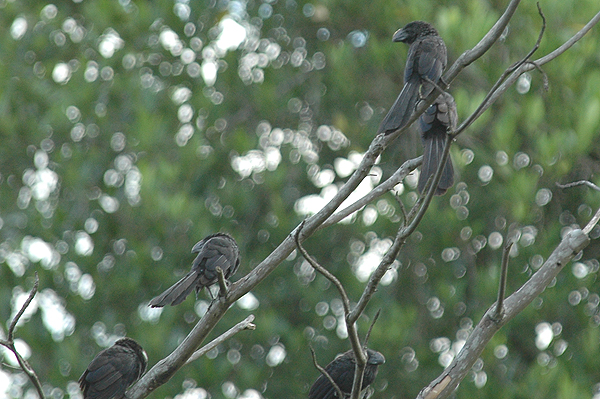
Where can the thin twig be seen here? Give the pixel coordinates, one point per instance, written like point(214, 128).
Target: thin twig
point(377, 275)
point(493, 95)
point(15, 320)
point(378, 191)
point(487, 101)
point(9, 343)
point(497, 315)
point(328, 275)
point(592, 223)
point(579, 183)
point(325, 373)
point(569, 43)
point(245, 324)
point(402, 210)
point(222, 283)
point(371, 327)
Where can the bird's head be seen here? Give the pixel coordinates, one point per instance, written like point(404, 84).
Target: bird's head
point(136, 348)
point(375, 357)
point(412, 31)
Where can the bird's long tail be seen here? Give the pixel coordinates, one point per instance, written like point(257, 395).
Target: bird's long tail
point(433, 143)
point(403, 107)
point(177, 292)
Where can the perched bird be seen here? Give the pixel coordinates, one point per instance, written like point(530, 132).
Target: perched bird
point(341, 370)
point(425, 63)
point(434, 125)
point(113, 370)
point(216, 250)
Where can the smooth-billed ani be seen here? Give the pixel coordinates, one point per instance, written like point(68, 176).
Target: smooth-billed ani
point(113, 370)
point(434, 125)
point(216, 250)
point(341, 370)
point(425, 63)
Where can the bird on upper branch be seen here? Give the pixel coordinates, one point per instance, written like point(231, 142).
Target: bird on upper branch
point(425, 63)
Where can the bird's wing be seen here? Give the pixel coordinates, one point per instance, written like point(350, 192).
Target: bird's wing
point(427, 118)
point(341, 370)
point(219, 251)
point(403, 107)
point(432, 58)
point(322, 388)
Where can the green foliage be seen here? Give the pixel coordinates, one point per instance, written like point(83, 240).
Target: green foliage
point(137, 153)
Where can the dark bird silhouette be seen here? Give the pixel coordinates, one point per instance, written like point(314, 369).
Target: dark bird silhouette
point(425, 63)
point(113, 370)
point(434, 125)
point(216, 250)
point(341, 370)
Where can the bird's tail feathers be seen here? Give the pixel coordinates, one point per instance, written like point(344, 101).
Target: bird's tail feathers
point(403, 108)
point(177, 292)
point(432, 154)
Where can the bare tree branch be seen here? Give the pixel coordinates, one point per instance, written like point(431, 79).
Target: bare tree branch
point(376, 276)
point(526, 67)
point(371, 327)
point(502, 284)
point(328, 275)
point(245, 324)
point(569, 43)
point(9, 343)
point(444, 385)
point(377, 192)
point(592, 223)
point(579, 183)
point(222, 283)
point(487, 101)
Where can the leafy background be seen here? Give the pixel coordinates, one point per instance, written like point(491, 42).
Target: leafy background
point(130, 130)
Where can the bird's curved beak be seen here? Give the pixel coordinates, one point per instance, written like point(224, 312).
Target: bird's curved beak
point(376, 358)
point(400, 35)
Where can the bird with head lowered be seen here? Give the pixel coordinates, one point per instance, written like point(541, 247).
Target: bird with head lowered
point(341, 370)
point(113, 370)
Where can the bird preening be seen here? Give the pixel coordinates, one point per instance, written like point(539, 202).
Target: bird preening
point(341, 370)
point(215, 251)
point(113, 370)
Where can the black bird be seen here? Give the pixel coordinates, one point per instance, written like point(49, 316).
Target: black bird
point(425, 63)
point(113, 370)
point(216, 250)
point(434, 125)
point(341, 370)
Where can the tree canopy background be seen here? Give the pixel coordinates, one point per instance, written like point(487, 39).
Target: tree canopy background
point(131, 130)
